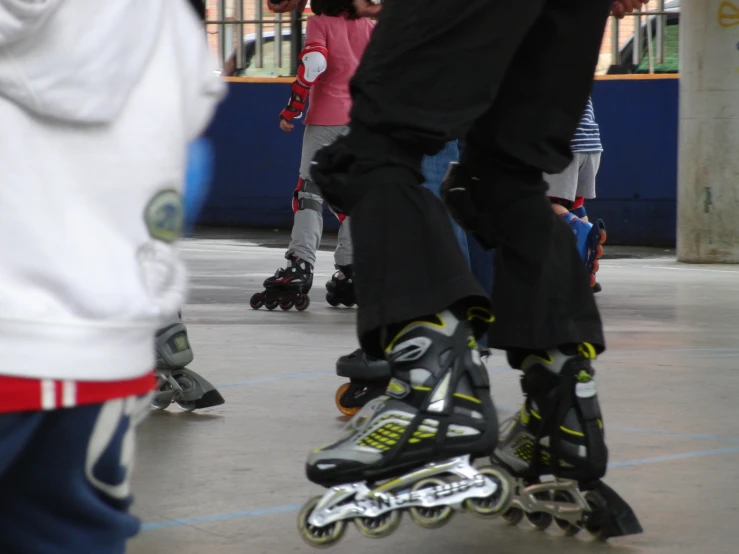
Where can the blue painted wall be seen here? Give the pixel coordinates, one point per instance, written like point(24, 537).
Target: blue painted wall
point(257, 164)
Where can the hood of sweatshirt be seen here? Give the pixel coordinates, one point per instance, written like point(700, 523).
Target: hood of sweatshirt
point(75, 60)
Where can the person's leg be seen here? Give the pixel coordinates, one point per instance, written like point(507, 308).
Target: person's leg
point(289, 286)
point(546, 316)
point(434, 169)
point(307, 202)
point(374, 171)
point(65, 481)
point(417, 299)
point(340, 288)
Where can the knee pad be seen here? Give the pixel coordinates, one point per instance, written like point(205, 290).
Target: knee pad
point(306, 186)
point(357, 163)
point(458, 190)
point(172, 347)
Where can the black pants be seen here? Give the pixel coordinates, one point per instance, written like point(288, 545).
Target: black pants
point(513, 77)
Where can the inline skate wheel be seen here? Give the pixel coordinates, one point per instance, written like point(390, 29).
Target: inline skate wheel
point(331, 299)
point(597, 504)
point(271, 305)
point(302, 303)
point(159, 403)
point(186, 405)
point(257, 301)
point(540, 520)
point(349, 304)
point(592, 280)
point(318, 537)
point(491, 506)
point(598, 252)
point(430, 518)
point(346, 410)
point(513, 516)
point(596, 266)
point(380, 526)
point(569, 529)
point(286, 304)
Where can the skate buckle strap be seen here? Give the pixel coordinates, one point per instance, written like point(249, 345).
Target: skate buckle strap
point(587, 351)
point(398, 389)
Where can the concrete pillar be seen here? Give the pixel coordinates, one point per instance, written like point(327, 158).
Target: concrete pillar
point(708, 176)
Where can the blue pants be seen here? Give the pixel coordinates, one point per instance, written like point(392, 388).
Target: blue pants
point(65, 476)
point(479, 260)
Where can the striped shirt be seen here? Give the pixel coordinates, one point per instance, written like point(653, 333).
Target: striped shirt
point(587, 136)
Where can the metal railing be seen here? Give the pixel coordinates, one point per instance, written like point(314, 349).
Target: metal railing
point(655, 43)
point(237, 51)
point(241, 41)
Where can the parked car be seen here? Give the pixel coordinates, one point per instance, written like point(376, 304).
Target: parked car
point(269, 68)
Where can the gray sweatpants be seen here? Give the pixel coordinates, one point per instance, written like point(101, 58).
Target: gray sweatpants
point(578, 179)
point(308, 223)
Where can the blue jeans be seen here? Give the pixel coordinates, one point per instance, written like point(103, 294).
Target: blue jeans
point(480, 261)
point(64, 478)
point(434, 169)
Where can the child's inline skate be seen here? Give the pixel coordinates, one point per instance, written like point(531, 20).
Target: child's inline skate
point(340, 289)
point(411, 450)
point(175, 382)
point(368, 379)
point(555, 452)
point(288, 287)
point(590, 239)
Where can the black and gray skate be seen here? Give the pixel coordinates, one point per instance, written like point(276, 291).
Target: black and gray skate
point(175, 382)
point(368, 379)
point(554, 449)
point(340, 289)
point(411, 450)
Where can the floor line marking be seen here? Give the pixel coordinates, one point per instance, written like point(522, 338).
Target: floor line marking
point(291, 508)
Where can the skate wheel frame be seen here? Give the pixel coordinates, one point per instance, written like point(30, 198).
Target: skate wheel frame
point(318, 537)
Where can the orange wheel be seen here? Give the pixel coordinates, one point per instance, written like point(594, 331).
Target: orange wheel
point(592, 280)
point(603, 236)
point(599, 252)
point(343, 409)
point(596, 266)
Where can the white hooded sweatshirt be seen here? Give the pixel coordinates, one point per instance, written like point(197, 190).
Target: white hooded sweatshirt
point(98, 102)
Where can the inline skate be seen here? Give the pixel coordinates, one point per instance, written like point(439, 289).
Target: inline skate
point(368, 379)
point(340, 289)
point(288, 287)
point(590, 239)
point(175, 382)
point(411, 450)
point(554, 451)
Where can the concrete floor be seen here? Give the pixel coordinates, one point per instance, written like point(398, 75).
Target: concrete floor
point(229, 480)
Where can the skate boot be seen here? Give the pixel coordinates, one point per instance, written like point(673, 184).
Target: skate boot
point(590, 239)
point(368, 379)
point(411, 449)
point(288, 287)
point(555, 451)
point(340, 289)
point(176, 383)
